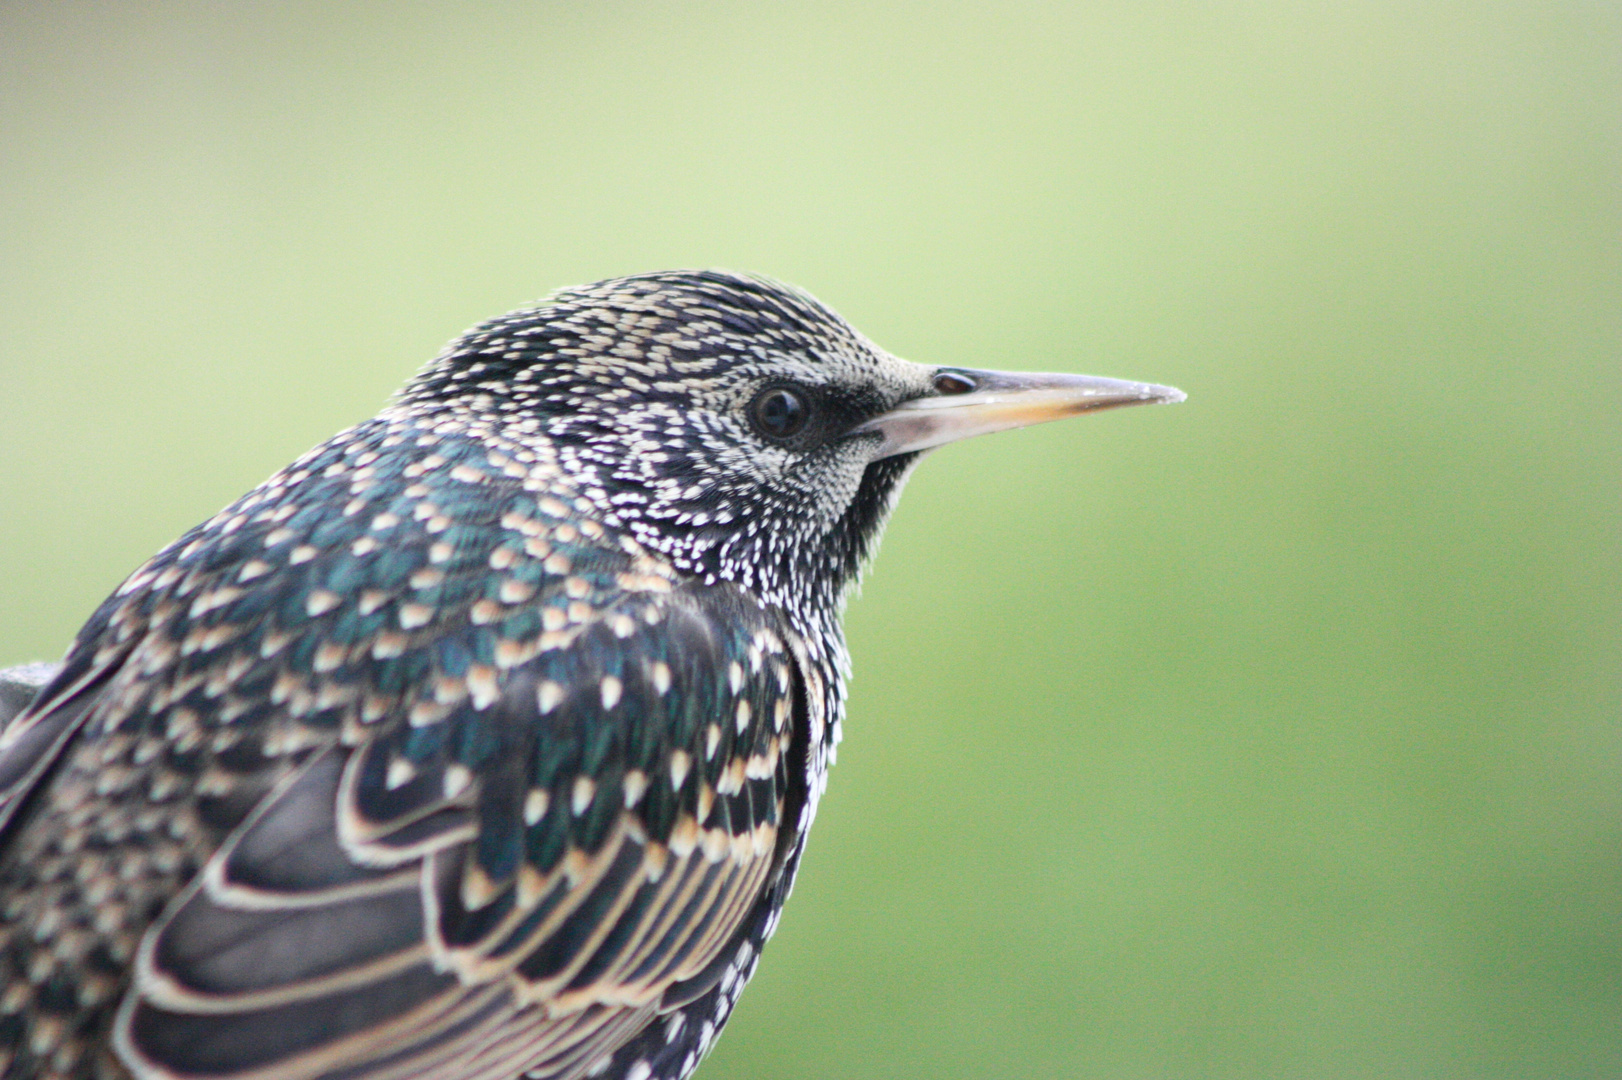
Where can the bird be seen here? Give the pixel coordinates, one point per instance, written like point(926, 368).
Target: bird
point(482, 741)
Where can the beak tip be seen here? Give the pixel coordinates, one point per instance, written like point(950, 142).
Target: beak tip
point(1167, 395)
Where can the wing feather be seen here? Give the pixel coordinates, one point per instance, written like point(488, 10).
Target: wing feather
point(517, 892)
point(33, 741)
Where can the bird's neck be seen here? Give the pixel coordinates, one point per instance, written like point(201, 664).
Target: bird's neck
point(778, 554)
point(817, 575)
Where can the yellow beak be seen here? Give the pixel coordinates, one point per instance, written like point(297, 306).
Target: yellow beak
point(979, 402)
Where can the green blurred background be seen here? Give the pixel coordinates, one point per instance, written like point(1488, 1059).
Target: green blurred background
point(1274, 735)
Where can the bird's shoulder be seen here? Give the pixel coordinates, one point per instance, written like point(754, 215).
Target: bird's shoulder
point(395, 551)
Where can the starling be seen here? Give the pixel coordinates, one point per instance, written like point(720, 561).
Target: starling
point(481, 741)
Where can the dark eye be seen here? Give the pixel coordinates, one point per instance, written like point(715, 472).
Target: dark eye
point(780, 412)
point(950, 382)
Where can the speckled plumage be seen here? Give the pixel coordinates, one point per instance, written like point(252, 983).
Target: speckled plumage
point(481, 741)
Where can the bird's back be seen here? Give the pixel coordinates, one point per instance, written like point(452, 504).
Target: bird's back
point(406, 764)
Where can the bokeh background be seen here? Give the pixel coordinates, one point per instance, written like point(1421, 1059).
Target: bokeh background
point(1275, 735)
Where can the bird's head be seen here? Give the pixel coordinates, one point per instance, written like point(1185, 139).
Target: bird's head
point(732, 422)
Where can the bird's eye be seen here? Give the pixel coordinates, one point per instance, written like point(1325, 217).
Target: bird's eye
point(950, 382)
point(780, 412)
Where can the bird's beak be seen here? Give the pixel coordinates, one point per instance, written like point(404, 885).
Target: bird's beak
point(979, 402)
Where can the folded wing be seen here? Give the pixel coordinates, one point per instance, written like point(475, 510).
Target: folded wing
point(510, 883)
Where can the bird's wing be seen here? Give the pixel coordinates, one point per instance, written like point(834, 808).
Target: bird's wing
point(509, 881)
point(32, 742)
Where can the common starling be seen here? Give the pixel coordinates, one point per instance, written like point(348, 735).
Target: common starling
point(481, 741)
